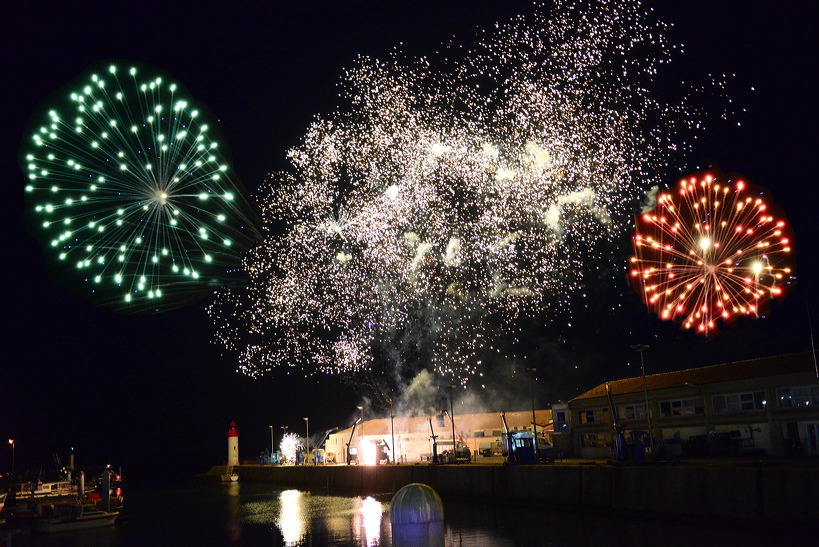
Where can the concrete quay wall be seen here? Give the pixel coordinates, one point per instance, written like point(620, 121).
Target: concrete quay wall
point(737, 493)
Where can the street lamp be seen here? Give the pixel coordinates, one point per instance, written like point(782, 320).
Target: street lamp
point(361, 409)
point(11, 442)
point(531, 372)
point(392, 430)
point(640, 348)
point(307, 438)
point(272, 444)
point(452, 419)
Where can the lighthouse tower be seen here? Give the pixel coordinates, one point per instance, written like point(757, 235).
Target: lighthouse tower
point(233, 445)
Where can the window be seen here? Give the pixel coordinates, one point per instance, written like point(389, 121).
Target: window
point(560, 420)
point(795, 397)
point(595, 440)
point(682, 407)
point(632, 412)
point(739, 402)
point(593, 416)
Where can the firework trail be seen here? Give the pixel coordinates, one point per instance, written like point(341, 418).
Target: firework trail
point(713, 250)
point(131, 191)
point(450, 198)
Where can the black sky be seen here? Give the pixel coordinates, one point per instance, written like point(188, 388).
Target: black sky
point(153, 392)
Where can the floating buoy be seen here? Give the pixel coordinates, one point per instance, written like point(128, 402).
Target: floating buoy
point(417, 516)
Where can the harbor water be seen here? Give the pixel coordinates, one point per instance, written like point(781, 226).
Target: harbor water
point(216, 514)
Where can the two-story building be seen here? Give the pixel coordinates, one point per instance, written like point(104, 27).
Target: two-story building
point(762, 406)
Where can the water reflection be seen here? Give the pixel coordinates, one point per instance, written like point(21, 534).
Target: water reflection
point(291, 520)
point(370, 512)
point(303, 518)
point(234, 513)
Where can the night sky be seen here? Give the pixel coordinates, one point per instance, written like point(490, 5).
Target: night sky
point(152, 393)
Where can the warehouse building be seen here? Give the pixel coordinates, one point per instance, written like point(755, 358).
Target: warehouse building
point(372, 441)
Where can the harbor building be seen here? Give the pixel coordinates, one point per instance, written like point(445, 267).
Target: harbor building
point(767, 406)
point(371, 442)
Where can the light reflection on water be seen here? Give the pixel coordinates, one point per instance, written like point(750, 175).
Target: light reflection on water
point(298, 515)
point(291, 518)
point(371, 513)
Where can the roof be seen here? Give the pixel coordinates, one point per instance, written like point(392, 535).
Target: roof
point(792, 363)
point(463, 422)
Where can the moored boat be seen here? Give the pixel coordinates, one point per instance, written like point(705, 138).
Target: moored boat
point(44, 490)
point(26, 499)
point(231, 476)
point(74, 517)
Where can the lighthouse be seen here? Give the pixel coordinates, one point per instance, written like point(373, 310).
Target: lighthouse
point(233, 445)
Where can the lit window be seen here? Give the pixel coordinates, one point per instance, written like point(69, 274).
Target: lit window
point(595, 440)
point(796, 397)
point(739, 402)
point(631, 412)
point(593, 416)
point(682, 407)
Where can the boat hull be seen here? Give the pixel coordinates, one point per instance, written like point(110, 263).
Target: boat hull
point(84, 521)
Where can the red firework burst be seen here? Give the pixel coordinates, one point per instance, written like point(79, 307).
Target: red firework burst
point(711, 251)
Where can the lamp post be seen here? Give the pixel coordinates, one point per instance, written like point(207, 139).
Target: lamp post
point(361, 437)
point(640, 348)
point(531, 372)
point(307, 439)
point(452, 419)
point(392, 430)
point(272, 444)
point(11, 442)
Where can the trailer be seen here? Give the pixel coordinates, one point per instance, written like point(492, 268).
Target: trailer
point(318, 453)
point(521, 447)
point(462, 453)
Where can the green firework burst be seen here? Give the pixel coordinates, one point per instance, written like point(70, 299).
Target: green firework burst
point(132, 192)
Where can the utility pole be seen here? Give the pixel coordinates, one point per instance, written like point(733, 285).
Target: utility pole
point(272, 443)
point(452, 419)
point(392, 430)
point(361, 437)
point(640, 348)
point(307, 440)
point(531, 372)
point(11, 442)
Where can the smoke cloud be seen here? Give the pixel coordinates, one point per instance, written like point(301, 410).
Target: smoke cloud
point(650, 200)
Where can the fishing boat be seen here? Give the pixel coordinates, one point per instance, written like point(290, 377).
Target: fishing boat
point(44, 490)
point(26, 499)
point(74, 517)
